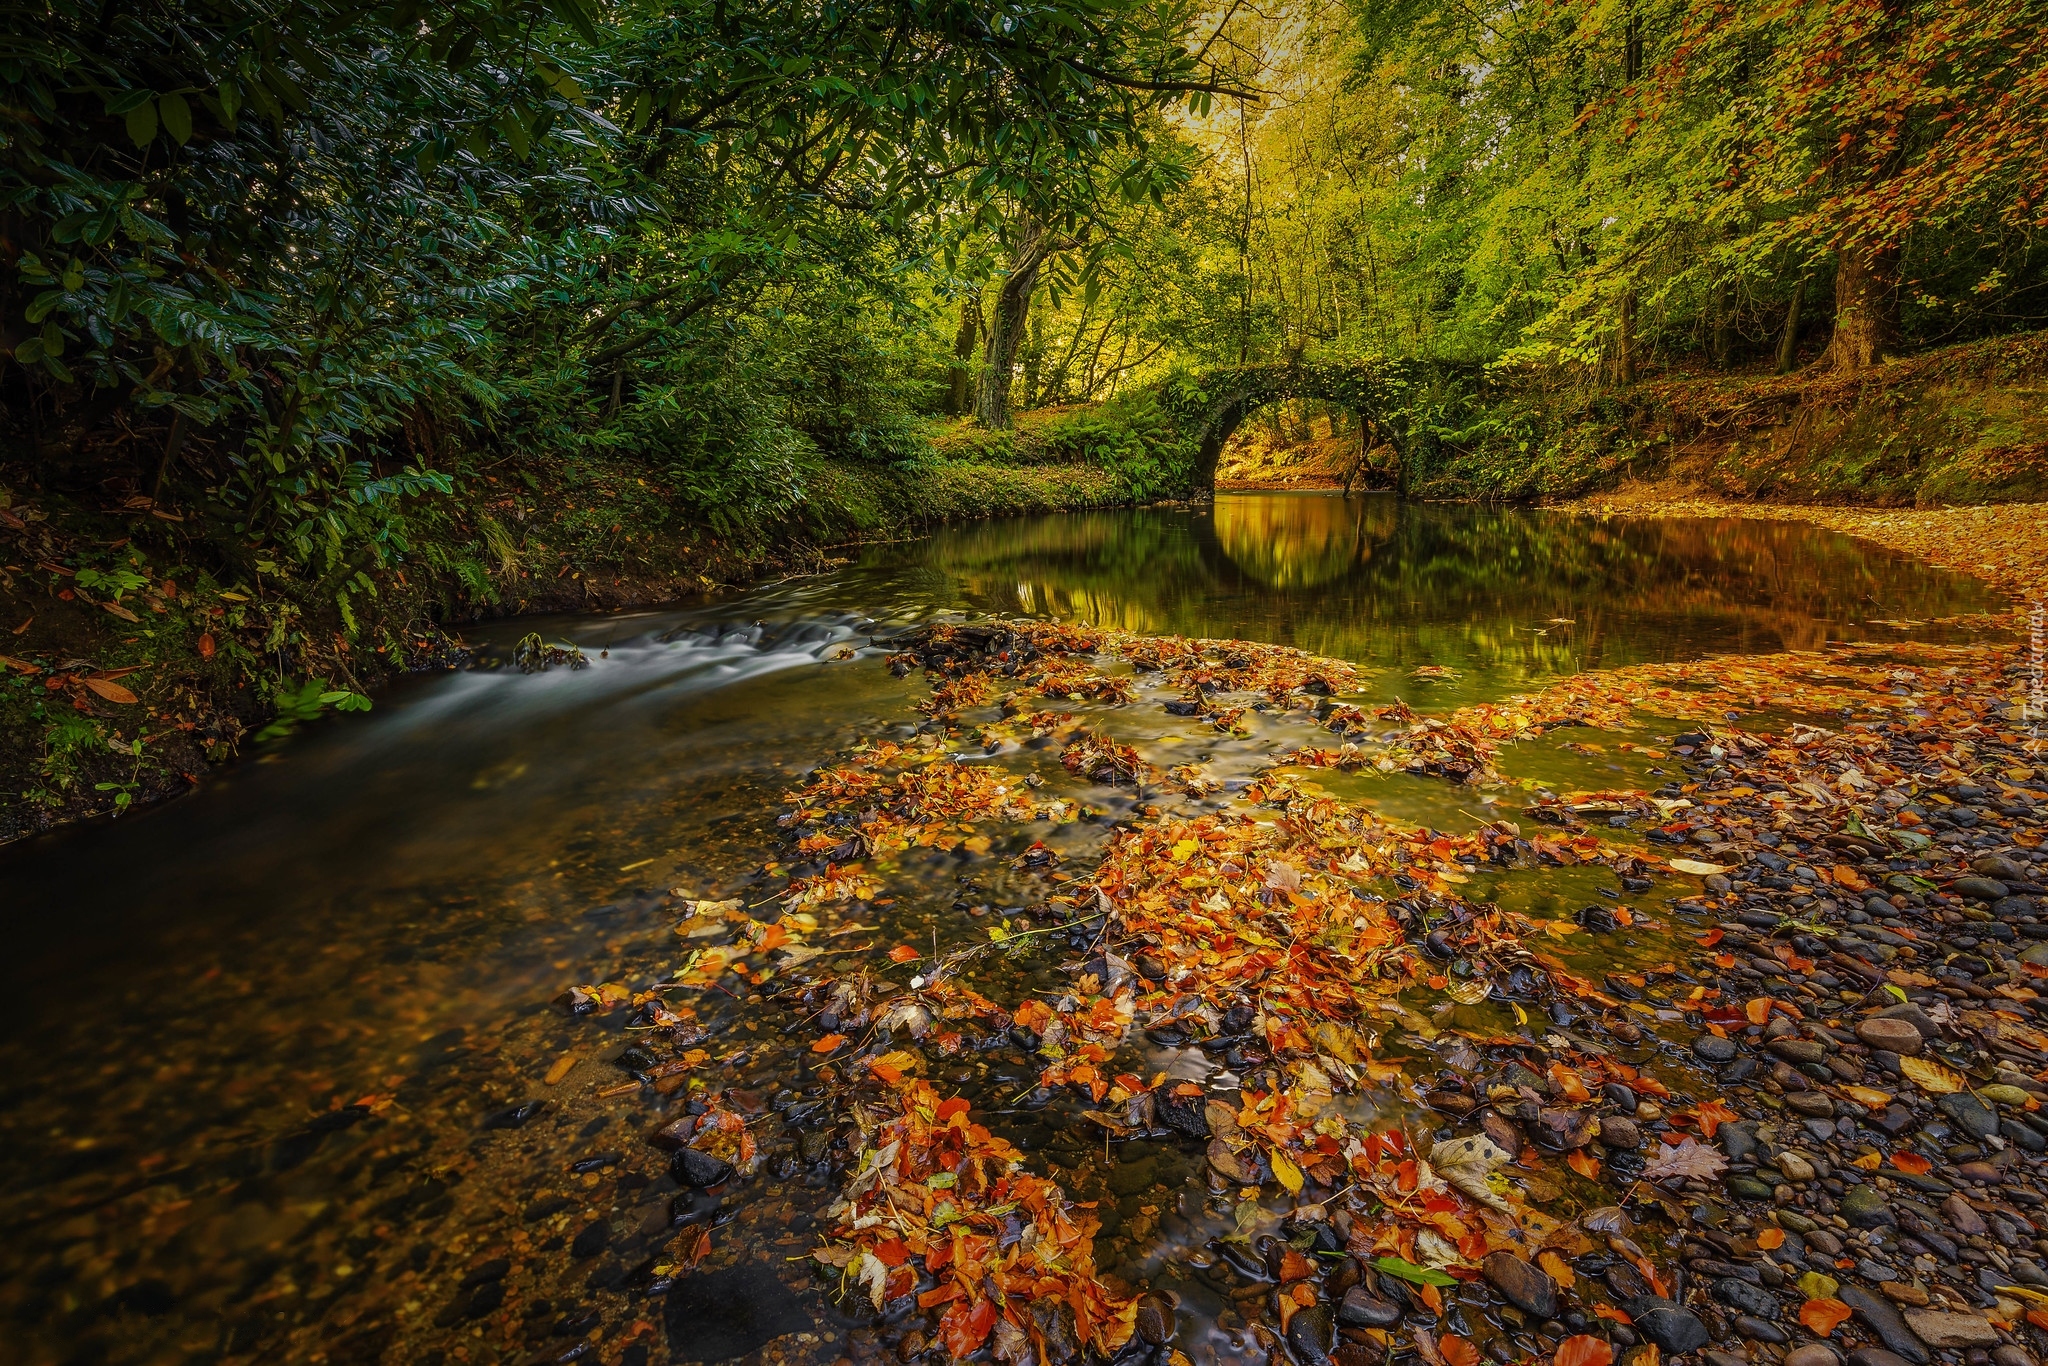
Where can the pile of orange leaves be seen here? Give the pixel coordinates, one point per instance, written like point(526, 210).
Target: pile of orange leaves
point(942, 1208)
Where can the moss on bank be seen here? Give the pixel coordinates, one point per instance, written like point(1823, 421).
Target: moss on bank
point(134, 661)
point(1967, 424)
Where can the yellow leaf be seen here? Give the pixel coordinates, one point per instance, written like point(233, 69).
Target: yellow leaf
point(1695, 867)
point(1932, 1077)
point(1867, 1095)
point(561, 1068)
point(1287, 1172)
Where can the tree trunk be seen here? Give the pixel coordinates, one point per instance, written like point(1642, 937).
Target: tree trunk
point(962, 377)
point(1788, 340)
point(1625, 341)
point(1034, 362)
point(1723, 329)
point(1866, 307)
point(1006, 327)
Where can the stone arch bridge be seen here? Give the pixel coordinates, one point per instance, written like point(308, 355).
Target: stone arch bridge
point(1403, 401)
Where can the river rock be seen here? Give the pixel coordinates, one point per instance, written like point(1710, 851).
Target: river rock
point(1738, 1140)
point(1972, 1115)
point(1979, 888)
point(2012, 1354)
point(1890, 1035)
point(1864, 1207)
point(1881, 1318)
point(1672, 1328)
point(1795, 1167)
point(1951, 1328)
point(1999, 867)
point(590, 1240)
point(694, 1168)
point(1744, 1187)
point(1758, 1330)
point(1812, 1354)
point(1798, 1050)
point(1155, 1320)
point(1876, 1356)
point(1740, 1295)
point(1962, 1217)
point(1361, 1309)
point(1523, 1284)
point(1713, 1048)
point(1618, 1131)
point(1812, 1104)
point(1311, 1334)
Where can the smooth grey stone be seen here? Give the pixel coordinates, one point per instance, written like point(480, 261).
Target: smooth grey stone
point(1881, 1318)
point(1672, 1328)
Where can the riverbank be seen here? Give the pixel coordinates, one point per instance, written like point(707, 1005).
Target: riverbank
point(135, 659)
point(1964, 424)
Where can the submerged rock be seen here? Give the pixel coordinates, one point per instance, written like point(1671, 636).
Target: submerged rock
point(694, 1168)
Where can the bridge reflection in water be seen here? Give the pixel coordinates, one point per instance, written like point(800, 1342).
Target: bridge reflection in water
point(1511, 593)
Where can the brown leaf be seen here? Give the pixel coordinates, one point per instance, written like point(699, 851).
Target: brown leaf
point(1689, 1160)
point(113, 692)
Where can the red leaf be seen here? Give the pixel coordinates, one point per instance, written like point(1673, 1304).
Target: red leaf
point(1457, 1351)
point(966, 1326)
point(1913, 1163)
point(206, 646)
point(1584, 1350)
point(1824, 1316)
point(828, 1043)
point(903, 953)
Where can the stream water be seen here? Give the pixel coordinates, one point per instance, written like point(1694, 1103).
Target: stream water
point(257, 1094)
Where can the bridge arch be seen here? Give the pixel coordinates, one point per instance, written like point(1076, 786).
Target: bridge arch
point(1388, 396)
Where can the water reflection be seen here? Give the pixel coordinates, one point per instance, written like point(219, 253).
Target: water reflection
point(1507, 594)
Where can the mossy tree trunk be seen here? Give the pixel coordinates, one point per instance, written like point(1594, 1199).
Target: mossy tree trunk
point(1866, 307)
point(1006, 324)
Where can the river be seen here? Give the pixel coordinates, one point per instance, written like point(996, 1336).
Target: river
point(265, 1038)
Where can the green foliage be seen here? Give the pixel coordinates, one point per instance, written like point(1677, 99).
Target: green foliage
point(323, 255)
point(1134, 439)
point(295, 706)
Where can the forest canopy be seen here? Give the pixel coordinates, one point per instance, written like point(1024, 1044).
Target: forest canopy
point(299, 269)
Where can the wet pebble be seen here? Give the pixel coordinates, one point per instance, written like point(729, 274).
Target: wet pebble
point(1312, 1334)
point(1674, 1329)
point(1812, 1354)
point(1881, 1318)
point(1361, 1309)
point(695, 1168)
point(1524, 1285)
